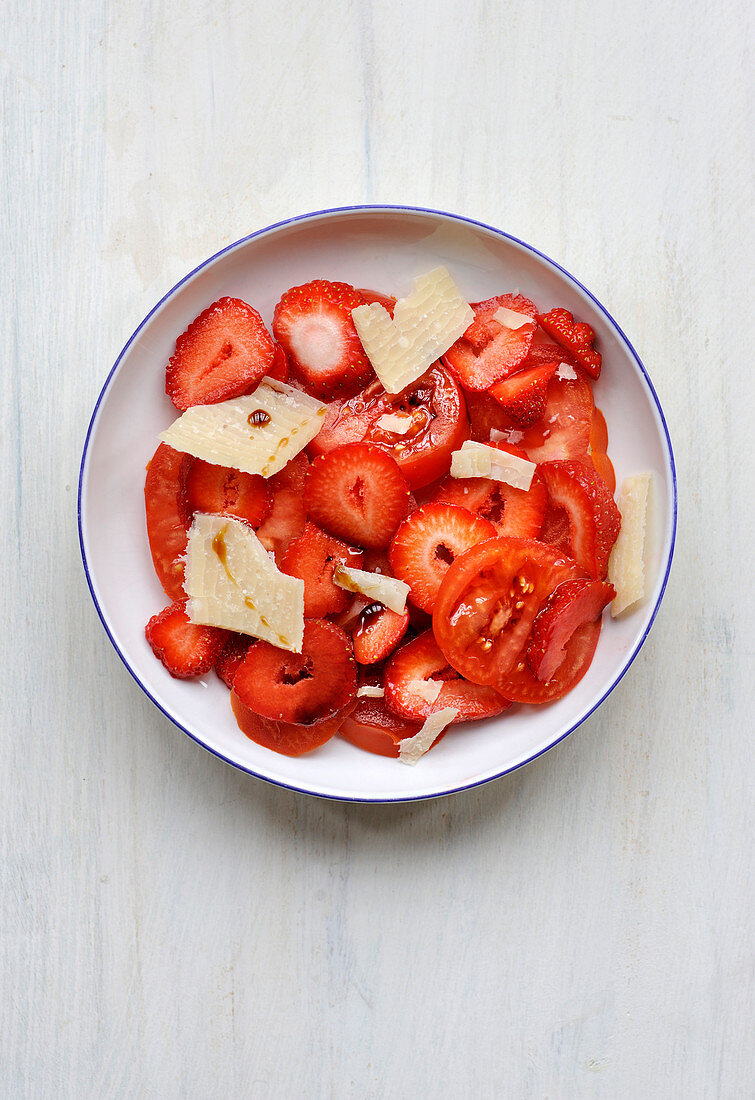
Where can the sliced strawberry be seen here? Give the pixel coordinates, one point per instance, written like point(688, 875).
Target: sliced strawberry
point(377, 632)
point(232, 655)
point(428, 542)
point(168, 516)
point(421, 659)
point(594, 519)
point(313, 324)
point(358, 493)
point(522, 395)
point(287, 738)
point(301, 687)
point(570, 606)
point(370, 296)
point(222, 354)
point(543, 350)
point(576, 337)
point(486, 416)
point(516, 512)
point(564, 429)
point(293, 475)
point(280, 368)
point(212, 488)
point(186, 650)
point(285, 522)
point(313, 556)
point(374, 728)
point(488, 350)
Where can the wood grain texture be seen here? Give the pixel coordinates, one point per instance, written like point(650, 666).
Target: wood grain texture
point(170, 928)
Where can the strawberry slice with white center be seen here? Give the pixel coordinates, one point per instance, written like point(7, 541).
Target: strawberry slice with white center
point(313, 324)
point(570, 606)
point(594, 519)
point(313, 557)
point(421, 662)
point(428, 542)
point(186, 649)
point(357, 493)
point(490, 350)
point(224, 353)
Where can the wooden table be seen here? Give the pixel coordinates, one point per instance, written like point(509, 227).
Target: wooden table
point(171, 928)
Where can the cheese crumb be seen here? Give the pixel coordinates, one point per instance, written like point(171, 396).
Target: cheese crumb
point(626, 566)
point(398, 423)
point(566, 372)
point(509, 318)
point(370, 691)
point(412, 748)
point(388, 591)
point(429, 690)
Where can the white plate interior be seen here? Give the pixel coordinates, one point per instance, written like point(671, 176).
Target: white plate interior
point(382, 249)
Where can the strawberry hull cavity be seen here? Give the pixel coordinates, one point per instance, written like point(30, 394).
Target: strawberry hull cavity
point(401, 562)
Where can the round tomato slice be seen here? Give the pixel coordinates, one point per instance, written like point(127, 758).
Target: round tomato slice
point(371, 726)
point(564, 429)
point(522, 686)
point(432, 409)
point(488, 601)
point(168, 516)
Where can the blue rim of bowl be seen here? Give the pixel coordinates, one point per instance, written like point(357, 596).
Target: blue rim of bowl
point(377, 209)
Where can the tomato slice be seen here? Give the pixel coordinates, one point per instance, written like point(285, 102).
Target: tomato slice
point(564, 429)
point(522, 686)
point(488, 601)
point(168, 516)
point(371, 726)
point(438, 415)
point(288, 738)
point(599, 448)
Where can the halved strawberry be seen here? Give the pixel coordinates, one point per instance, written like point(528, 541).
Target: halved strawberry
point(313, 324)
point(576, 337)
point(233, 653)
point(594, 519)
point(186, 650)
point(564, 428)
point(488, 350)
point(428, 542)
point(515, 512)
point(288, 738)
point(168, 516)
point(377, 632)
point(313, 556)
point(422, 660)
point(293, 475)
point(358, 493)
point(222, 354)
point(285, 522)
point(301, 687)
point(522, 395)
point(212, 488)
point(570, 605)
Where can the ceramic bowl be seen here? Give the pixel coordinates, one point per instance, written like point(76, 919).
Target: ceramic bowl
point(383, 248)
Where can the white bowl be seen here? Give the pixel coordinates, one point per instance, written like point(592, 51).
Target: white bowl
point(382, 248)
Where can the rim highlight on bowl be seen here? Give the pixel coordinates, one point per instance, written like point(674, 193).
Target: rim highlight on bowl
point(383, 247)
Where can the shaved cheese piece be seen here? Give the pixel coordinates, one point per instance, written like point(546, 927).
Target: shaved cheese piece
point(429, 690)
point(233, 583)
point(566, 372)
point(511, 435)
point(412, 748)
point(257, 434)
point(509, 318)
point(370, 691)
point(480, 460)
point(626, 566)
point(388, 591)
point(424, 326)
point(399, 424)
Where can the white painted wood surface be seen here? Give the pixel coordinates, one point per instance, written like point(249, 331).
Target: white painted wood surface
point(170, 928)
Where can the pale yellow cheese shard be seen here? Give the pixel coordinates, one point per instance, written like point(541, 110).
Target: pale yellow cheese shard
point(398, 424)
point(509, 318)
point(388, 591)
point(429, 690)
point(370, 691)
point(479, 460)
point(232, 582)
point(626, 566)
point(412, 748)
point(424, 326)
point(257, 434)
